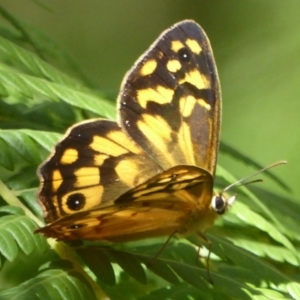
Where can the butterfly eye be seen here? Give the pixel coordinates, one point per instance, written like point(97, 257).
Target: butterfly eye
point(219, 204)
point(184, 55)
point(76, 201)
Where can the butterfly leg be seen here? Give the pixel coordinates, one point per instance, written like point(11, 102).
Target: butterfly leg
point(161, 250)
point(209, 243)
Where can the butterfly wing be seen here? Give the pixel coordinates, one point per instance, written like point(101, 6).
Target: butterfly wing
point(93, 165)
point(169, 202)
point(153, 173)
point(170, 101)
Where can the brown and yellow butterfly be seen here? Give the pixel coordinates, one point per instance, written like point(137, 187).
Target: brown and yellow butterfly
point(151, 173)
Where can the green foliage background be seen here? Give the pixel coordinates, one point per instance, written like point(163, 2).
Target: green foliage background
point(256, 46)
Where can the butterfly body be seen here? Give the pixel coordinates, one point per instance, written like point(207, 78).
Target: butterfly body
point(151, 173)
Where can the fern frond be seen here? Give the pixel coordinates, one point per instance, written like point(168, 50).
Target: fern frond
point(30, 87)
point(52, 284)
point(16, 233)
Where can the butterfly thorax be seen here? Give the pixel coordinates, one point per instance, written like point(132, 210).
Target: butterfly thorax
point(201, 214)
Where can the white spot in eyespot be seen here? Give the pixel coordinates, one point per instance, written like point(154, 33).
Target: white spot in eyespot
point(124, 103)
point(127, 123)
point(118, 179)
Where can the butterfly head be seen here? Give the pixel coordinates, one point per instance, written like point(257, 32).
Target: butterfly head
point(221, 204)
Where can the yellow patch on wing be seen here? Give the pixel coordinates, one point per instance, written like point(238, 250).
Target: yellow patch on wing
point(56, 180)
point(148, 68)
point(173, 65)
point(194, 46)
point(128, 171)
point(187, 104)
point(152, 194)
point(160, 95)
point(195, 78)
point(93, 195)
point(103, 145)
point(165, 180)
point(100, 158)
point(204, 104)
point(185, 143)
point(176, 45)
point(69, 156)
point(155, 128)
point(87, 176)
point(125, 213)
point(122, 139)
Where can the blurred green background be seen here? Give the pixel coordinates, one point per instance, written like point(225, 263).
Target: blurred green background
point(256, 45)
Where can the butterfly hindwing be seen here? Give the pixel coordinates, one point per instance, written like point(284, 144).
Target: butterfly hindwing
point(164, 204)
point(93, 165)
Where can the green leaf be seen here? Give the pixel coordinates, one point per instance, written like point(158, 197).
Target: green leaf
point(237, 155)
point(98, 262)
point(182, 292)
point(293, 289)
point(51, 285)
point(29, 87)
point(17, 232)
point(32, 64)
point(162, 270)
point(24, 143)
point(130, 264)
point(276, 253)
point(192, 275)
point(256, 220)
point(6, 159)
point(246, 260)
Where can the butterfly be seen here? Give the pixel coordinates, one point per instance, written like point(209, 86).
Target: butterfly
point(151, 173)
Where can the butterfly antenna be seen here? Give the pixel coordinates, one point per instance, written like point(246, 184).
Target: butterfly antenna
point(241, 181)
point(249, 182)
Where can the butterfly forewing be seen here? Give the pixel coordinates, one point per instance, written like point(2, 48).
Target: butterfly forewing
point(170, 101)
